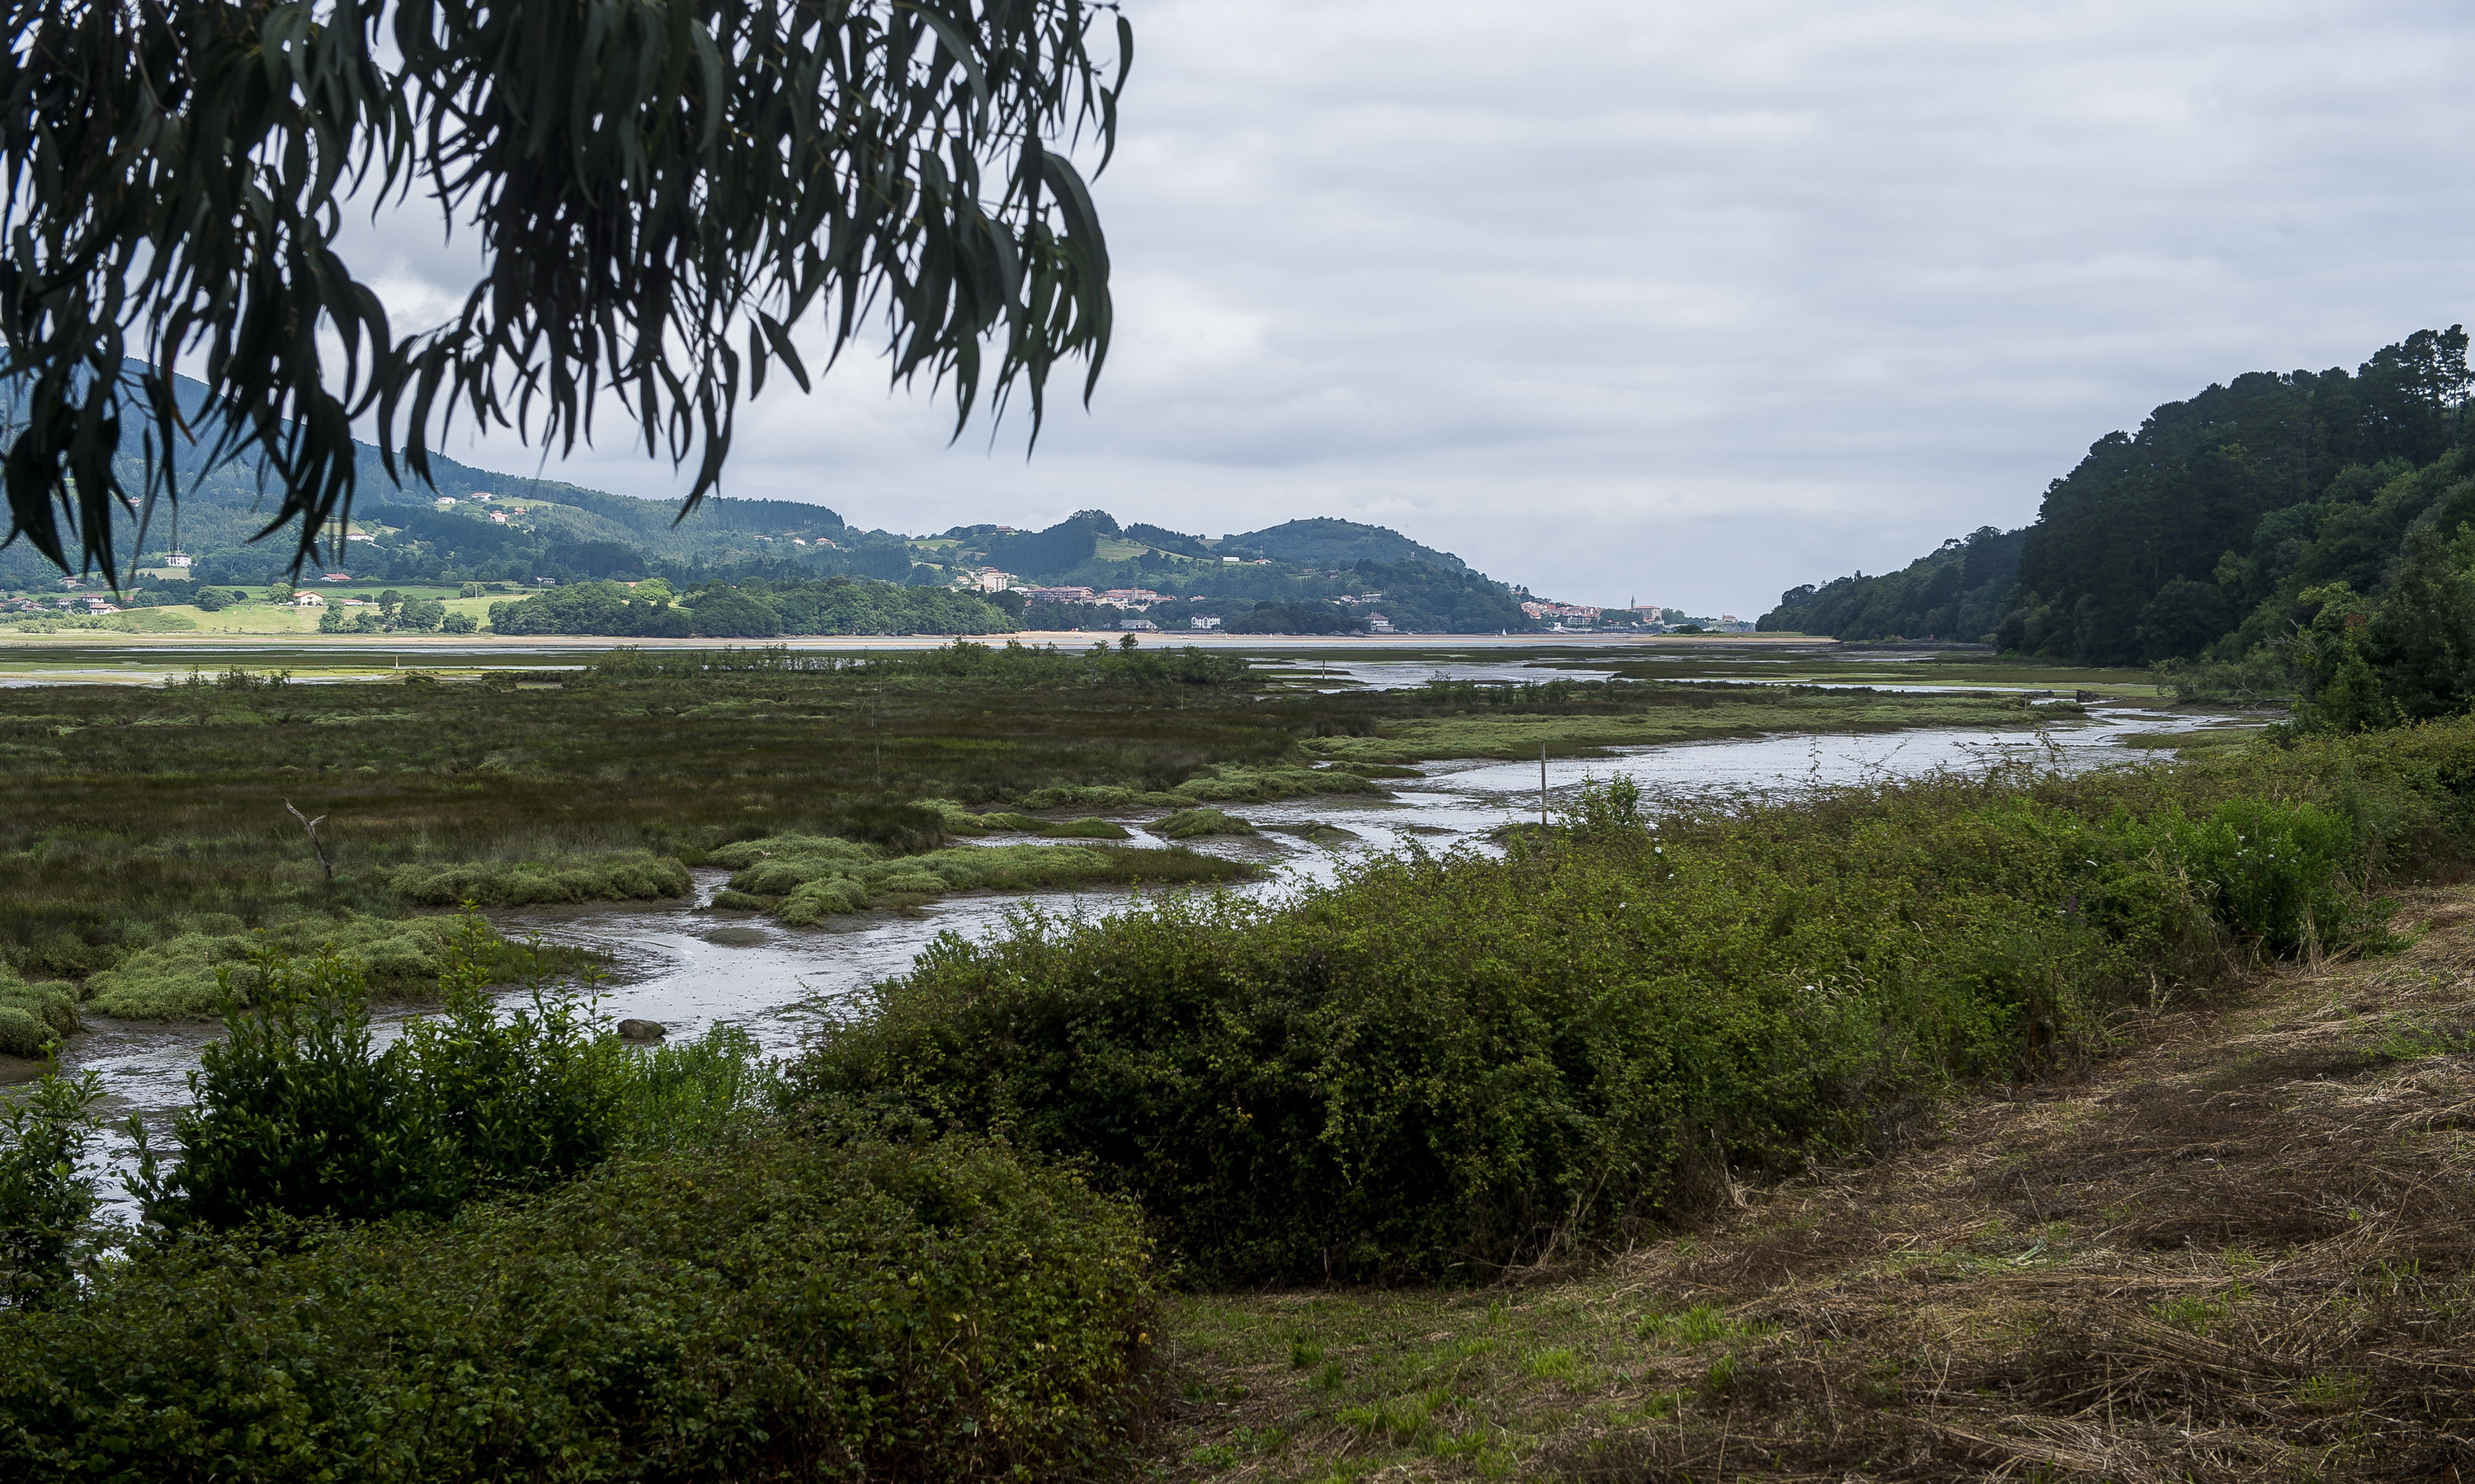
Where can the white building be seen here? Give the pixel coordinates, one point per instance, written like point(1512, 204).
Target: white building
point(178, 559)
point(1204, 621)
point(1563, 611)
point(1377, 623)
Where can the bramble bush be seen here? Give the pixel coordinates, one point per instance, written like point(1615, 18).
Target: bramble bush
point(510, 1246)
point(1438, 1066)
point(833, 1305)
point(297, 1113)
point(45, 1201)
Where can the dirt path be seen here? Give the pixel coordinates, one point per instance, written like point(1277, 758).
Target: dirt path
point(2243, 1249)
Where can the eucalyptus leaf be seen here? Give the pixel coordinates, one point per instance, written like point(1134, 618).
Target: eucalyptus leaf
point(650, 185)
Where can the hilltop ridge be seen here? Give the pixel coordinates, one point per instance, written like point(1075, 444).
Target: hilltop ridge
point(511, 532)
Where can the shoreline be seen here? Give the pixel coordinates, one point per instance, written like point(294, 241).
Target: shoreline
point(106, 657)
point(71, 637)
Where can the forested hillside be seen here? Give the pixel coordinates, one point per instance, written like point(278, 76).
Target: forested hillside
point(1955, 593)
point(2201, 534)
point(471, 525)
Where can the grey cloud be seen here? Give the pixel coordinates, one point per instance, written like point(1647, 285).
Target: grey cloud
point(1686, 302)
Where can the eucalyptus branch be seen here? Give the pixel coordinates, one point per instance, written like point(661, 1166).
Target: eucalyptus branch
point(663, 194)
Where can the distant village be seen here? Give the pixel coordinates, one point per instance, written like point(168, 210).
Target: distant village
point(1574, 617)
point(1141, 605)
point(1142, 609)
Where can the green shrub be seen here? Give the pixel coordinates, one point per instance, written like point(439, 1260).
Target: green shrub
point(31, 1015)
point(22, 1032)
point(297, 1115)
point(836, 1307)
point(958, 820)
point(697, 1092)
point(2282, 874)
point(638, 876)
point(45, 1199)
point(1444, 1065)
point(780, 864)
point(811, 902)
point(1196, 823)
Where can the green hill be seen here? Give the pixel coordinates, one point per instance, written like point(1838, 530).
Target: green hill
point(1305, 577)
point(2201, 534)
point(1324, 542)
point(509, 532)
point(1955, 593)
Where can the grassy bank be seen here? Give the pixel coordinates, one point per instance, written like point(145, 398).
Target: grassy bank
point(1601, 1117)
point(2236, 1250)
point(1447, 1068)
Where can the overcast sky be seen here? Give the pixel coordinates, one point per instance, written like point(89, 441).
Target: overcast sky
point(1687, 302)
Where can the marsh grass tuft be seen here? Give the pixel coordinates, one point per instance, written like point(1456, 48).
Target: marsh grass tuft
point(804, 879)
point(189, 976)
point(628, 876)
point(1198, 823)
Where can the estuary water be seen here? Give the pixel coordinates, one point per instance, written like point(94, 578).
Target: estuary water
point(690, 966)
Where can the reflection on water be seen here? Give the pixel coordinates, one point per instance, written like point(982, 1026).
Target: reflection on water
point(688, 967)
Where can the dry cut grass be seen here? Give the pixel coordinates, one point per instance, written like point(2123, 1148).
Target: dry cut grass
point(2243, 1249)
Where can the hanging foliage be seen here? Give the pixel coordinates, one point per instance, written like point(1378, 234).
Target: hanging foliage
point(662, 192)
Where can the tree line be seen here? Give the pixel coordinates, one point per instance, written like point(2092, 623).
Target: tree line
point(753, 609)
point(2271, 534)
